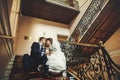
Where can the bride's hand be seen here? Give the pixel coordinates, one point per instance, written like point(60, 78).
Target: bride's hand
point(47, 52)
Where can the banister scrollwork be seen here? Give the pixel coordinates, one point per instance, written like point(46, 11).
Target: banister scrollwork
point(97, 66)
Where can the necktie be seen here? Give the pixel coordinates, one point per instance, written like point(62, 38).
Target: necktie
point(42, 50)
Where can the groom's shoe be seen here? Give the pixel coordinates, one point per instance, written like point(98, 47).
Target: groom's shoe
point(48, 74)
point(41, 68)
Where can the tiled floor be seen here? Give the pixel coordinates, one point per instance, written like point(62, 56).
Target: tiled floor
point(8, 70)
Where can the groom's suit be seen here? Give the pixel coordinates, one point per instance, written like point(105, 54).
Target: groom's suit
point(37, 53)
point(36, 50)
point(36, 57)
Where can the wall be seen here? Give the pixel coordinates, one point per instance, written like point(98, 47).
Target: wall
point(29, 26)
point(113, 43)
point(113, 46)
point(115, 55)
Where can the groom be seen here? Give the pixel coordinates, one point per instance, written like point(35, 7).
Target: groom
point(38, 50)
point(37, 56)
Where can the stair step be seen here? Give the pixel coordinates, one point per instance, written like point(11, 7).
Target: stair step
point(4, 78)
point(12, 59)
point(57, 78)
point(9, 67)
point(11, 63)
point(7, 73)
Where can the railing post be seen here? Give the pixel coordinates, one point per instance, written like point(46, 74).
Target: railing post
point(108, 61)
point(105, 55)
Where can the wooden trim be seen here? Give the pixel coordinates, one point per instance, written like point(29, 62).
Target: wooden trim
point(62, 37)
point(82, 44)
point(5, 18)
point(6, 37)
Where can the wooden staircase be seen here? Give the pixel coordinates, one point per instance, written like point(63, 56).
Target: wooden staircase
point(14, 71)
point(46, 76)
point(8, 70)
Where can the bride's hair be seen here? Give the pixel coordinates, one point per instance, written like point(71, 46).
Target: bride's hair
point(50, 39)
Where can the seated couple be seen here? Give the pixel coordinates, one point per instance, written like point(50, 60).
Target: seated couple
point(45, 55)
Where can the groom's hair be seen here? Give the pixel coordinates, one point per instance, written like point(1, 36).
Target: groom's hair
point(41, 38)
point(50, 39)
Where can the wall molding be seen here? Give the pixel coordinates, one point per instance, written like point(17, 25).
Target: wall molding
point(114, 53)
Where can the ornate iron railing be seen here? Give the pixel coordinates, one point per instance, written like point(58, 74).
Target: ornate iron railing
point(90, 14)
point(86, 66)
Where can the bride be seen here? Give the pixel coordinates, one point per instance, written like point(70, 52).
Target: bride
point(56, 58)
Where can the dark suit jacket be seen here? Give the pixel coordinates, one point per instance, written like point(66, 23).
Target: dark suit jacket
point(36, 51)
point(36, 54)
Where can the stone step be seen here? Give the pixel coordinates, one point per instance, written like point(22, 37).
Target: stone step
point(57, 78)
point(8, 69)
point(7, 73)
point(11, 63)
point(4, 78)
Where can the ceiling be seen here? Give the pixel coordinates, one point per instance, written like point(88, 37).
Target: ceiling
point(48, 11)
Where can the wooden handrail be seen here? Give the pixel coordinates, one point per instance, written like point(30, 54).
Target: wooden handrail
point(6, 37)
point(81, 44)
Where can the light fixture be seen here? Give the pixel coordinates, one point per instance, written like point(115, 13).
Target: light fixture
point(27, 37)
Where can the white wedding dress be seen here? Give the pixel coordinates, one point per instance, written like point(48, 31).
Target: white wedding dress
point(57, 60)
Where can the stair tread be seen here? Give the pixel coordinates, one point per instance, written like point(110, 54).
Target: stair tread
point(4, 78)
point(56, 78)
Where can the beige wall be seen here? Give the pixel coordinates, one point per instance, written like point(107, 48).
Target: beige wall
point(116, 59)
point(113, 46)
point(36, 28)
point(113, 43)
point(115, 55)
